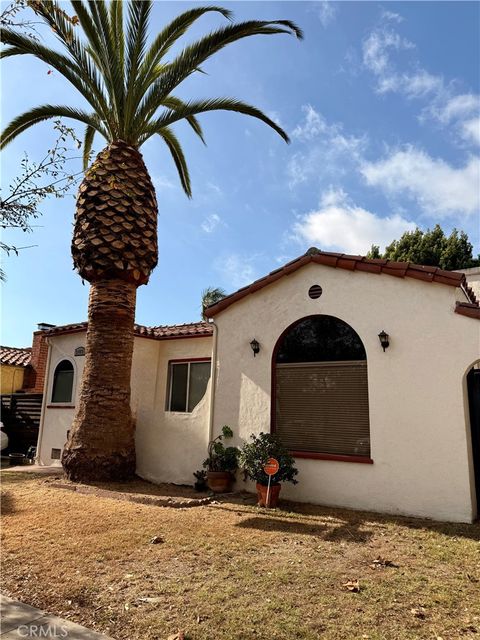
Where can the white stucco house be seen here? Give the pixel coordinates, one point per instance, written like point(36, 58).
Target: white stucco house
point(389, 425)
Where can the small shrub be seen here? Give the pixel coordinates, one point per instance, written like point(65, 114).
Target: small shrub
point(255, 454)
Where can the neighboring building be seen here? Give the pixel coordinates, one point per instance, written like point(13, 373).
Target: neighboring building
point(22, 373)
point(392, 428)
point(13, 361)
point(22, 369)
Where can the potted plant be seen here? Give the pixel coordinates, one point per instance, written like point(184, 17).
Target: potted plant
point(200, 480)
point(255, 455)
point(222, 462)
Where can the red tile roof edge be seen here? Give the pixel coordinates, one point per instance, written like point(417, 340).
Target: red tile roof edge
point(163, 332)
point(352, 263)
point(15, 356)
point(471, 310)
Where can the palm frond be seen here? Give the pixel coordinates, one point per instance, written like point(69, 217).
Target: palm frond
point(151, 68)
point(45, 112)
point(179, 159)
point(176, 104)
point(189, 109)
point(113, 74)
point(173, 31)
point(137, 24)
point(95, 46)
point(23, 45)
point(193, 56)
point(87, 145)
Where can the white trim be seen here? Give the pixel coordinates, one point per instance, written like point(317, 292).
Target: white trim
point(213, 372)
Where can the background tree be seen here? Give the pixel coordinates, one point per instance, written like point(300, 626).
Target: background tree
point(211, 295)
point(129, 86)
point(431, 247)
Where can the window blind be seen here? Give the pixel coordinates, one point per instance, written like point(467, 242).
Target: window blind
point(322, 407)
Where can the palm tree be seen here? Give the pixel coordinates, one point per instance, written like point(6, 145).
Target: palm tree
point(129, 85)
point(211, 295)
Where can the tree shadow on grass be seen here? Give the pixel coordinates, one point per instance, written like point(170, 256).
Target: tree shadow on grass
point(332, 532)
point(348, 525)
point(7, 503)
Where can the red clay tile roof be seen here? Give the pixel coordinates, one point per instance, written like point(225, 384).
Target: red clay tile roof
point(15, 356)
point(471, 310)
point(166, 332)
point(351, 263)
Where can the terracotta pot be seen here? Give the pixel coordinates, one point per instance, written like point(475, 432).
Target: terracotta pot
point(220, 481)
point(272, 498)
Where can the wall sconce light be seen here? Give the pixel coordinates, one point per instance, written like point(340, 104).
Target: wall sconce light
point(255, 347)
point(384, 339)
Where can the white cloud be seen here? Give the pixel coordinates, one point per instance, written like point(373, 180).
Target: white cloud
point(328, 148)
point(471, 130)
point(313, 125)
point(326, 11)
point(393, 17)
point(215, 188)
point(376, 49)
point(237, 270)
point(162, 182)
point(457, 107)
point(211, 222)
point(443, 105)
point(421, 83)
point(338, 224)
point(462, 112)
point(436, 186)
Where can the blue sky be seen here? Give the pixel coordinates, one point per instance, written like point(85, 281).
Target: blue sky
point(381, 101)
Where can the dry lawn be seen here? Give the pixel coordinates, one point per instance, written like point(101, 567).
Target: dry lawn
point(230, 571)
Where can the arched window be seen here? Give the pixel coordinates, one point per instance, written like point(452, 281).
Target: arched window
point(320, 389)
point(63, 382)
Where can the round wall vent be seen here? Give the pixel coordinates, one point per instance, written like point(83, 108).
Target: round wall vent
point(315, 291)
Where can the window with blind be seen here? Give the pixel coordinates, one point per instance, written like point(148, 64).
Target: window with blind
point(321, 389)
point(187, 385)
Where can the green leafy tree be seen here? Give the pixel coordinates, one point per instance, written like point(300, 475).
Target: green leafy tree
point(431, 247)
point(129, 86)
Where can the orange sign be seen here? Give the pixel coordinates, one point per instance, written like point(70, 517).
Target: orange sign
point(271, 467)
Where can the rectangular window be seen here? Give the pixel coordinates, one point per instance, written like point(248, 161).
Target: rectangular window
point(187, 384)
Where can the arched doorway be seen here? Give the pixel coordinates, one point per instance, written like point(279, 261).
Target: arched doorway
point(320, 390)
point(473, 389)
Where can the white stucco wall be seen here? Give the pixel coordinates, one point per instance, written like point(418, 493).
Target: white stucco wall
point(57, 419)
point(170, 446)
point(418, 425)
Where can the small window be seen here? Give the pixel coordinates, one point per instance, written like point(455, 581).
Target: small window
point(56, 453)
point(187, 385)
point(63, 382)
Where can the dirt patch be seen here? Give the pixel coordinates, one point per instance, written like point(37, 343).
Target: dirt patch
point(139, 498)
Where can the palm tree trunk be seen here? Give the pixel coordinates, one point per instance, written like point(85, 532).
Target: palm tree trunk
point(101, 444)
